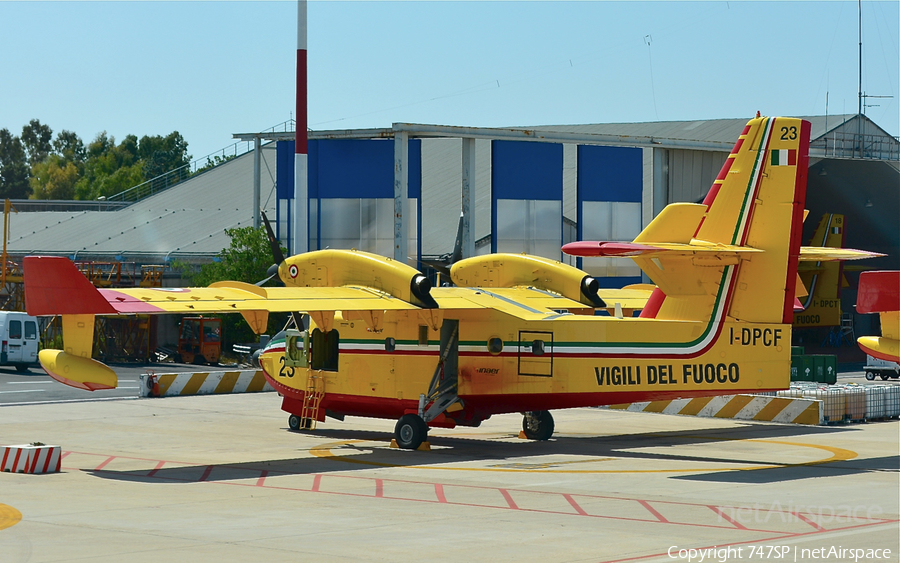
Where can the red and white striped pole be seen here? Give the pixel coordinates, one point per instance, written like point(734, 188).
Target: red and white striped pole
point(301, 165)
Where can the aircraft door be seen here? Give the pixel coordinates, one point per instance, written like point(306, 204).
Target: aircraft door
point(536, 353)
point(296, 349)
point(324, 350)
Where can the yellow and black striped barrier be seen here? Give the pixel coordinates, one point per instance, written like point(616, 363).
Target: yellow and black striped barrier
point(739, 407)
point(203, 383)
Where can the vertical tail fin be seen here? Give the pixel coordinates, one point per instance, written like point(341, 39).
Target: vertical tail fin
point(742, 258)
point(757, 201)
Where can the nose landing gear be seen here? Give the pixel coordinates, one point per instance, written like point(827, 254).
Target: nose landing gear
point(537, 425)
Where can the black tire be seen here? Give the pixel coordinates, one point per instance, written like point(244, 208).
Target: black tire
point(884, 376)
point(538, 425)
point(294, 422)
point(22, 368)
point(870, 375)
point(410, 431)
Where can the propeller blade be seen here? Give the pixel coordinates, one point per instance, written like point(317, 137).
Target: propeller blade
point(273, 240)
point(457, 245)
point(263, 282)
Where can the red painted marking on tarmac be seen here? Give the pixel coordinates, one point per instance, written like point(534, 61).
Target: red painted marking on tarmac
point(105, 462)
point(442, 499)
point(155, 469)
point(262, 478)
point(808, 521)
point(726, 517)
point(64, 454)
point(574, 504)
point(206, 473)
point(379, 488)
point(509, 499)
point(656, 514)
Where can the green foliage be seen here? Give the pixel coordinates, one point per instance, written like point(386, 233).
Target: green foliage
point(54, 178)
point(13, 167)
point(36, 139)
point(246, 259)
point(213, 162)
point(42, 167)
point(163, 154)
point(69, 146)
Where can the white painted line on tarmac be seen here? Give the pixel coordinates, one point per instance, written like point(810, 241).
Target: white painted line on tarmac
point(30, 382)
point(24, 391)
point(68, 401)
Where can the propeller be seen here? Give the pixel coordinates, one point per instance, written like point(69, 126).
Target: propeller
point(278, 257)
point(444, 263)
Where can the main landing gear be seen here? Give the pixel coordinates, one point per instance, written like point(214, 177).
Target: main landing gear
point(537, 425)
point(410, 431)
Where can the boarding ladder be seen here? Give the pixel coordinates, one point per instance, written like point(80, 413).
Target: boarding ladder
point(315, 390)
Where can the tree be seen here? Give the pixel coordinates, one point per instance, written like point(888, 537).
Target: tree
point(246, 259)
point(69, 146)
point(13, 167)
point(110, 168)
point(54, 178)
point(36, 139)
point(163, 154)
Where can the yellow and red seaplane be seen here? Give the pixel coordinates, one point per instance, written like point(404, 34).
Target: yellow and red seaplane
point(518, 333)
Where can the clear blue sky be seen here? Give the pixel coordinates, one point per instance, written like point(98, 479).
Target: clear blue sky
point(210, 69)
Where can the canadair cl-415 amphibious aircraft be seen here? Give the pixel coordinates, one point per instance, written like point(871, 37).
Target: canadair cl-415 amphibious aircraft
point(518, 333)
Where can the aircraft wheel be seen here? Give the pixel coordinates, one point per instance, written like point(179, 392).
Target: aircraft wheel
point(870, 375)
point(294, 422)
point(410, 431)
point(538, 425)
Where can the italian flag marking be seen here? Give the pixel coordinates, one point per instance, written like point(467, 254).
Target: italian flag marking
point(784, 157)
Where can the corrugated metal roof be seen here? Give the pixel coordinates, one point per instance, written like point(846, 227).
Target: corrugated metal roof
point(189, 219)
point(184, 220)
point(713, 130)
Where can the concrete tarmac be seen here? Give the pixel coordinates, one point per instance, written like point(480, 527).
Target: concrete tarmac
point(221, 479)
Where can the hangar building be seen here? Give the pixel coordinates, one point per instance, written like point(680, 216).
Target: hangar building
point(528, 190)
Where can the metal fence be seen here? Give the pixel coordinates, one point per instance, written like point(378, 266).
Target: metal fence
point(173, 177)
point(853, 145)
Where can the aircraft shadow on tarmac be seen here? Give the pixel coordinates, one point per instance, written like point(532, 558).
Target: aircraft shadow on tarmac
point(348, 450)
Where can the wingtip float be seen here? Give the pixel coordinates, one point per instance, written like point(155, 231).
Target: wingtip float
point(76, 371)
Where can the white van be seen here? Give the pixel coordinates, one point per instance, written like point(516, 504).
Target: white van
point(18, 340)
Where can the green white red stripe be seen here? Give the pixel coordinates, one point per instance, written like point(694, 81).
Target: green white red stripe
point(784, 157)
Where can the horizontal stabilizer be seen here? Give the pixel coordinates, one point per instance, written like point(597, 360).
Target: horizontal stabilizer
point(831, 254)
point(650, 250)
point(54, 286)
